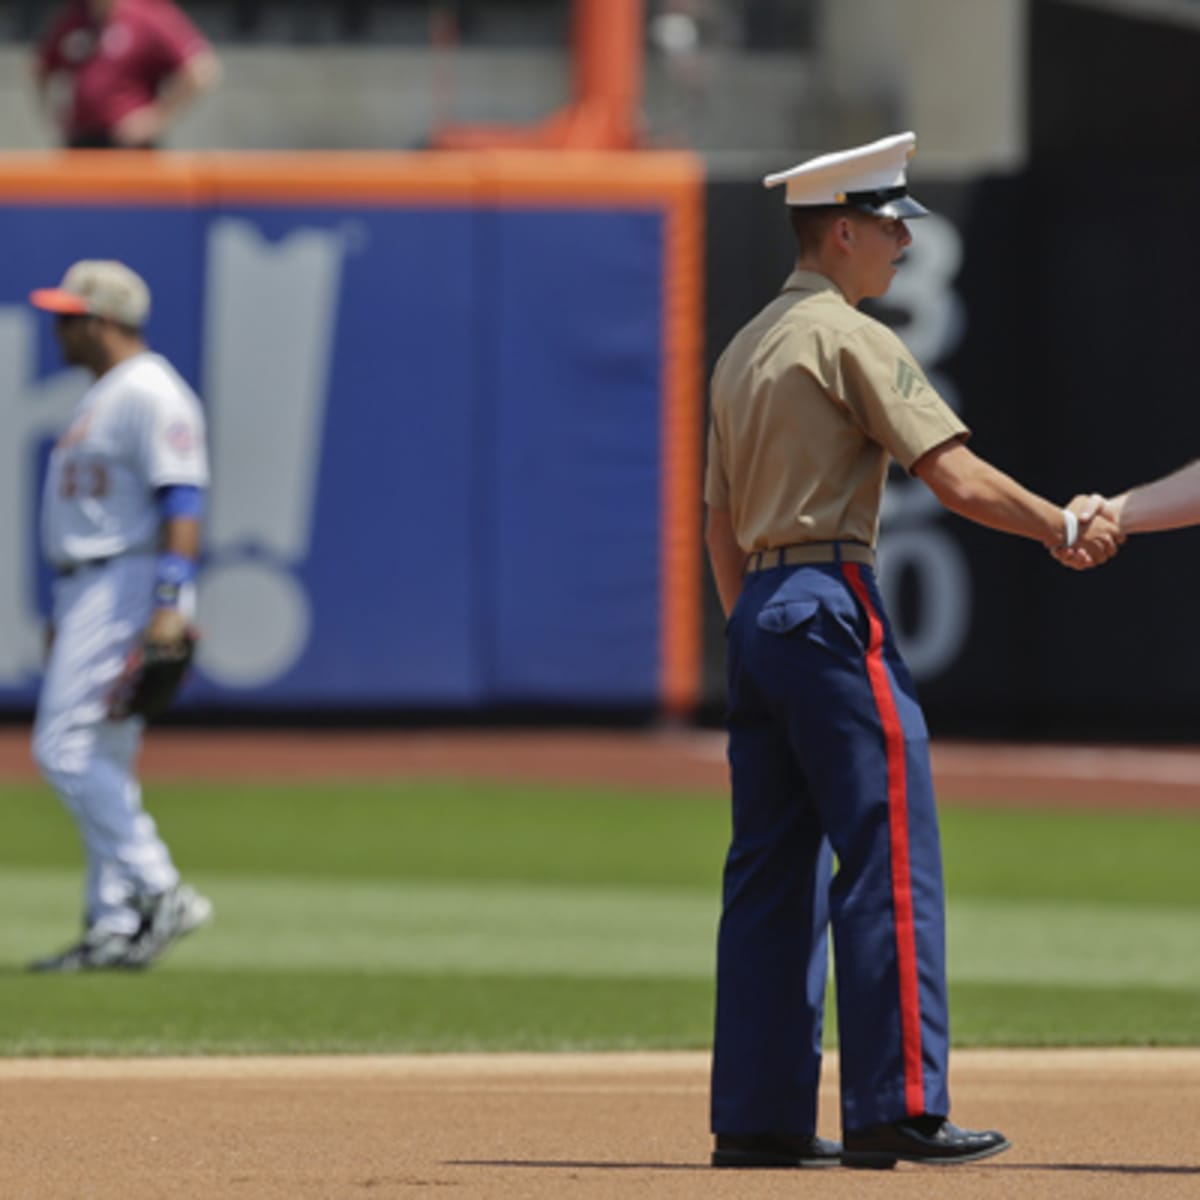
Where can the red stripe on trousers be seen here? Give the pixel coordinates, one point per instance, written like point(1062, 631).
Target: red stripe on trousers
point(902, 897)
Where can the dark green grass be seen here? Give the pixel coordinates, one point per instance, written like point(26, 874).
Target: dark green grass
point(498, 832)
point(1134, 858)
point(408, 830)
point(996, 1014)
point(280, 973)
point(175, 1011)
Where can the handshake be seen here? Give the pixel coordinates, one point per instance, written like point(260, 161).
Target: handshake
point(1098, 532)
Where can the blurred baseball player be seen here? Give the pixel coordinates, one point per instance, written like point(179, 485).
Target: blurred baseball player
point(121, 527)
point(827, 744)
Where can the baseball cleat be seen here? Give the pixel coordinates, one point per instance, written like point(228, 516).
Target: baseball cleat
point(169, 916)
point(100, 950)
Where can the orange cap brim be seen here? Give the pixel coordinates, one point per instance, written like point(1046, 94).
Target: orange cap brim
point(57, 301)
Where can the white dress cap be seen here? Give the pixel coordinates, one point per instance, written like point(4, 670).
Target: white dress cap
point(869, 177)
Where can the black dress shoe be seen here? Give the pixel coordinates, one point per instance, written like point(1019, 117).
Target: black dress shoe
point(775, 1150)
point(919, 1139)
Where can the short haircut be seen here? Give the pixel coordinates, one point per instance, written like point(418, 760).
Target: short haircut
point(810, 223)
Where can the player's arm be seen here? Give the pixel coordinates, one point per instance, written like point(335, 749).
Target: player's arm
point(725, 556)
point(157, 667)
point(1168, 503)
point(181, 509)
point(968, 485)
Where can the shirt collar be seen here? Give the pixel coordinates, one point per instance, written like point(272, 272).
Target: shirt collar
point(810, 281)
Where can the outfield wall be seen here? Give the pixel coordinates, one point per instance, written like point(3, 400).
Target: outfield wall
point(457, 410)
point(454, 408)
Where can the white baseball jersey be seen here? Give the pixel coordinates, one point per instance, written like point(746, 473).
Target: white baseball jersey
point(139, 427)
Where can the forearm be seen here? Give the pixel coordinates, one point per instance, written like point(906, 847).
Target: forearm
point(1168, 503)
point(180, 535)
point(179, 547)
point(1001, 503)
point(973, 488)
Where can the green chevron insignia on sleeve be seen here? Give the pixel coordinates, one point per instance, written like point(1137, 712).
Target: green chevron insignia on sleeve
point(908, 378)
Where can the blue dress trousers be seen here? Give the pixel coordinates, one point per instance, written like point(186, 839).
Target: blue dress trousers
point(828, 750)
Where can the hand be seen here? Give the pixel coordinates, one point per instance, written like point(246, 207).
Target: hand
point(142, 127)
point(1100, 538)
point(1086, 507)
point(1100, 533)
point(167, 626)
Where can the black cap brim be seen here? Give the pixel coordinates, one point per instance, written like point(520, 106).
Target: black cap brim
point(904, 207)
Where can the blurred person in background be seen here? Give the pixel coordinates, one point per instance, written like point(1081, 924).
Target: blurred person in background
point(827, 745)
point(116, 74)
point(121, 515)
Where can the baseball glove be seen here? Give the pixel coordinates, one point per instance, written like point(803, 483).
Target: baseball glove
point(153, 674)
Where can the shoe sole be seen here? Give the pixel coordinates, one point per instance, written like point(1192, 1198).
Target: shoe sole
point(757, 1159)
point(869, 1160)
point(76, 962)
point(884, 1160)
point(75, 968)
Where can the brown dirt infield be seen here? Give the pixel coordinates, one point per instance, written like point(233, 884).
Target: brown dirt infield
point(1094, 1124)
point(1085, 1126)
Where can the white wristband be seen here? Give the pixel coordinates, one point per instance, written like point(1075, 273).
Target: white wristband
point(1071, 528)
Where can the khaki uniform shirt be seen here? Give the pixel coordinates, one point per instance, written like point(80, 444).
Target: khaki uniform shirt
point(810, 401)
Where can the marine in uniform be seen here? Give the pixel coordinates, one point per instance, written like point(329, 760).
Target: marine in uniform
point(121, 514)
point(828, 747)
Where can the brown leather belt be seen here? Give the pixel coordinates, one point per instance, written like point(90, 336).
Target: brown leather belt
point(810, 552)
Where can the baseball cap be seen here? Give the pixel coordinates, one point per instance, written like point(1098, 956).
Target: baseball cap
point(870, 178)
point(98, 288)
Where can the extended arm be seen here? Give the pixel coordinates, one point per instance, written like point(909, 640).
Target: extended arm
point(973, 488)
point(1168, 503)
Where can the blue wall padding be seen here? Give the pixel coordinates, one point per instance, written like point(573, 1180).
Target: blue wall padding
point(576, 398)
point(486, 524)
